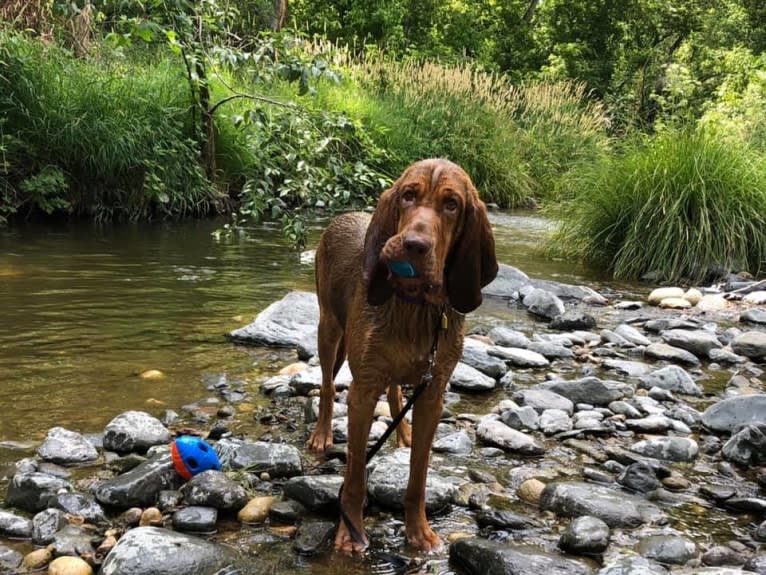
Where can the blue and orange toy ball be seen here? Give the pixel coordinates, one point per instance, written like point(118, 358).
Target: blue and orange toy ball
point(192, 455)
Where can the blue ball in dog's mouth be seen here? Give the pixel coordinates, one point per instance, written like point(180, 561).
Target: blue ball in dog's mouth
point(402, 269)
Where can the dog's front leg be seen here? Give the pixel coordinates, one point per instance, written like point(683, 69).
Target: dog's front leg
point(362, 399)
point(425, 417)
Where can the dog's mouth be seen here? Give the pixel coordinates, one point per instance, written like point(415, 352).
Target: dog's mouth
point(407, 280)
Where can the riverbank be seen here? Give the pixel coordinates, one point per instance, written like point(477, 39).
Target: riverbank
point(614, 436)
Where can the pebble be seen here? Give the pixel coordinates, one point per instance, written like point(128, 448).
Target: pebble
point(69, 566)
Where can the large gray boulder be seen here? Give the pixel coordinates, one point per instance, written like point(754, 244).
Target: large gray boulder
point(140, 486)
point(134, 431)
point(289, 322)
point(590, 390)
point(66, 447)
point(672, 378)
point(156, 551)
point(31, 491)
point(731, 413)
point(751, 344)
point(276, 459)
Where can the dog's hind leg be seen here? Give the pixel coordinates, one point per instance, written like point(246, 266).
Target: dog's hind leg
point(403, 430)
point(332, 353)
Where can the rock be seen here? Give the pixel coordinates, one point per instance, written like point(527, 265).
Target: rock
point(507, 283)
point(615, 508)
point(69, 566)
point(747, 447)
point(531, 490)
point(289, 322)
point(45, 524)
point(731, 413)
point(760, 532)
point(585, 535)
point(720, 555)
point(756, 564)
point(497, 433)
point(673, 378)
point(499, 519)
point(467, 378)
point(214, 489)
point(751, 344)
point(699, 341)
point(14, 526)
point(313, 536)
point(679, 449)
point(276, 459)
point(521, 418)
point(287, 511)
point(633, 565)
point(659, 294)
point(458, 443)
point(195, 519)
point(140, 486)
point(257, 509)
point(507, 337)
point(10, 559)
point(542, 399)
point(155, 551)
point(80, 505)
point(639, 477)
point(667, 549)
point(667, 352)
point(590, 390)
point(388, 477)
point(318, 493)
point(675, 303)
point(754, 316)
point(650, 424)
point(550, 350)
point(150, 516)
point(134, 431)
point(693, 296)
point(518, 357)
point(31, 491)
point(36, 560)
point(475, 355)
point(554, 421)
point(72, 540)
point(476, 556)
point(755, 298)
point(573, 319)
point(66, 447)
point(543, 303)
point(631, 334)
point(627, 368)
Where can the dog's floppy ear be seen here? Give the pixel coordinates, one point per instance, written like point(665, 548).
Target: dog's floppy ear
point(383, 225)
point(472, 263)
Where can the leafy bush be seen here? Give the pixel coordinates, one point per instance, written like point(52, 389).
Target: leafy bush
point(683, 204)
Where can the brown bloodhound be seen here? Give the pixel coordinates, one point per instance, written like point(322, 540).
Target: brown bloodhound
point(384, 284)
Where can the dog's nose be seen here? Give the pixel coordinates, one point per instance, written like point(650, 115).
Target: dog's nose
point(416, 245)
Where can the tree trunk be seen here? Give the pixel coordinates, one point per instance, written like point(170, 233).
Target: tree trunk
point(280, 14)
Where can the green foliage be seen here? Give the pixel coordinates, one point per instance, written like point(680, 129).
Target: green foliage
point(682, 204)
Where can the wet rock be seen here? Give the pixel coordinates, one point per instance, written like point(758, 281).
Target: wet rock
point(167, 500)
point(667, 549)
point(754, 316)
point(554, 421)
point(15, 526)
point(585, 535)
point(313, 537)
point(475, 355)
point(551, 350)
point(256, 510)
point(521, 418)
point(214, 489)
point(477, 556)
point(760, 532)
point(591, 390)
point(627, 368)
point(45, 524)
point(720, 555)
point(79, 504)
point(66, 447)
point(699, 342)
point(36, 560)
point(458, 443)
point(507, 337)
point(673, 378)
point(615, 508)
point(289, 322)
point(751, 344)
point(311, 409)
point(631, 334)
point(659, 294)
point(388, 477)
point(747, 447)
point(31, 491)
point(669, 353)
point(318, 493)
point(624, 408)
point(134, 431)
point(287, 511)
point(507, 520)
point(69, 566)
point(639, 477)
point(543, 303)
point(308, 380)
point(155, 551)
point(668, 448)
point(731, 413)
point(10, 559)
point(72, 540)
point(633, 565)
point(753, 505)
point(541, 399)
point(518, 357)
point(497, 433)
point(276, 459)
point(650, 424)
point(467, 378)
point(531, 490)
point(572, 320)
point(139, 487)
point(195, 519)
point(756, 564)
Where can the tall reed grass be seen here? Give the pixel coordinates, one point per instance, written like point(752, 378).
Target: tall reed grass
point(683, 204)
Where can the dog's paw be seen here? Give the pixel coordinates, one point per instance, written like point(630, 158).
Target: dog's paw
point(424, 539)
point(319, 442)
point(344, 542)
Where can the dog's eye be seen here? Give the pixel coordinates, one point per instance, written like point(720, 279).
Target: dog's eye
point(408, 196)
point(451, 204)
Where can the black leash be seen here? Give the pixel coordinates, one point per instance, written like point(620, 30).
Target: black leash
point(441, 325)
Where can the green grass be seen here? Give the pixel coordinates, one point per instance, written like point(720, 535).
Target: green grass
point(683, 204)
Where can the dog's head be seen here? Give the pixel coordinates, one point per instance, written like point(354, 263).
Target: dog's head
point(431, 222)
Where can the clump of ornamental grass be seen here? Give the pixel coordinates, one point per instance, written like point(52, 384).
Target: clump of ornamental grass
point(682, 204)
